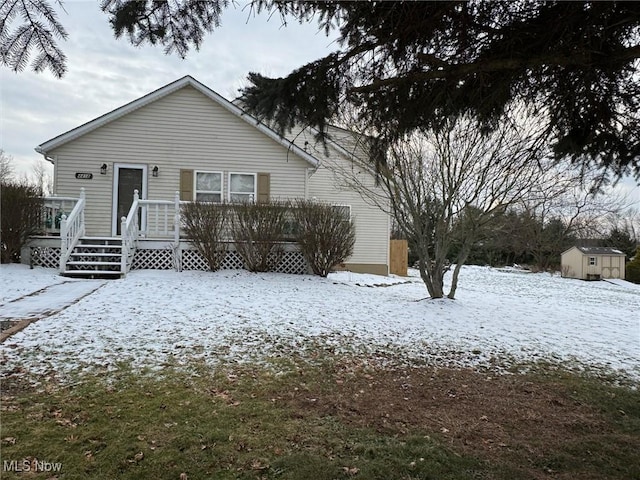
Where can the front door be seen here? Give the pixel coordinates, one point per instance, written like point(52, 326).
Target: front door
point(127, 179)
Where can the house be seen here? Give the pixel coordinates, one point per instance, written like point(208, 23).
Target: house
point(119, 181)
point(593, 263)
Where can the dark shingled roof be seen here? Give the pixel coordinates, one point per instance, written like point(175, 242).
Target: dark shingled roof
point(600, 250)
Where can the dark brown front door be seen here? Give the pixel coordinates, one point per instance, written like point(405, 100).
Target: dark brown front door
point(129, 180)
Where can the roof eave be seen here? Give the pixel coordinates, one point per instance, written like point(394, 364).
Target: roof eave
point(162, 92)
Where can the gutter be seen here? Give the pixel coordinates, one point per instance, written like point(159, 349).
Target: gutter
point(49, 159)
point(52, 161)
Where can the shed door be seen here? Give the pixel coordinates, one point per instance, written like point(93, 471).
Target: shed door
point(127, 179)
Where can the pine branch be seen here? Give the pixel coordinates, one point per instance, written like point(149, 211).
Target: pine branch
point(178, 25)
point(448, 71)
point(33, 34)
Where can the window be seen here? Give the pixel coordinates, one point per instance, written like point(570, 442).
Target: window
point(344, 210)
point(593, 261)
point(242, 187)
point(208, 187)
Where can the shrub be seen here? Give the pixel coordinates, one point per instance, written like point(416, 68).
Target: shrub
point(21, 212)
point(204, 224)
point(325, 234)
point(632, 273)
point(258, 231)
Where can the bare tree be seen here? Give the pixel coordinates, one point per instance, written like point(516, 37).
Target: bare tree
point(557, 213)
point(560, 210)
point(41, 177)
point(627, 220)
point(445, 188)
point(6, 166)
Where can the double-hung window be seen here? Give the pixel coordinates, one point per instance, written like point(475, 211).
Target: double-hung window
point(208, 187)
point(593, 261)
point(242, 187)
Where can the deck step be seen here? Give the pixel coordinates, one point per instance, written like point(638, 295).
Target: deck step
point(95, 263)
point(115, 247)
point(106, 274)
point(112, 239)
point(94, 254)
point(113, 244)
point(100, 241)
point(93, 257)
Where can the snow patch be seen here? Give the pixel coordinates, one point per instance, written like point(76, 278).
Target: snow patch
point(153, 317)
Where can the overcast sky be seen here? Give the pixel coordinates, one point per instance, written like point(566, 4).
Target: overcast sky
point(105, 73)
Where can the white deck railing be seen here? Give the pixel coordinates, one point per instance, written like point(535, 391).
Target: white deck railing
point(154, 221)
point(148, 219)
point(53, 210)
point(129, 231)
point(161, 218)
point(71, 229)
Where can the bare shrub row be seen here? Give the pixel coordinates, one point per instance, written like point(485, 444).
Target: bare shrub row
point(259, 231)
point(21, 216)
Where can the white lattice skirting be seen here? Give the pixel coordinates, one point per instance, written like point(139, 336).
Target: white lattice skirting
point(48, 257)
point(292, 262)
point(153, 259)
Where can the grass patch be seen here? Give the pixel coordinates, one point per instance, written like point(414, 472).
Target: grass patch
point(336, 420)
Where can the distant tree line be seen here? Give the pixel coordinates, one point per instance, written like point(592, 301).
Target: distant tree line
point(517, 237)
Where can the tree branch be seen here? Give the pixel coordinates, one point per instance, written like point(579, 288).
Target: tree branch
point(456, 71)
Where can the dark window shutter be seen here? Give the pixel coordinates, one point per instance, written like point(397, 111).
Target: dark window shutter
point(264, 187)
point(186, 185)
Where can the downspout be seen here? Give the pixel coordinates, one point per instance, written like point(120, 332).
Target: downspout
point(309, 172)
point(54, 161)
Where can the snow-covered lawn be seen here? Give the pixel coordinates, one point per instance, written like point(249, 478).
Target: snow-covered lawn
point(17, 280)
point(499, 316)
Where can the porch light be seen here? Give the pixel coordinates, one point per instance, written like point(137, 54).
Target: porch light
point(154, 171)
point(103, 169)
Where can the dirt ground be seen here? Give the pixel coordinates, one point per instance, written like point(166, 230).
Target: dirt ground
point(499, 418)
point(536, 426)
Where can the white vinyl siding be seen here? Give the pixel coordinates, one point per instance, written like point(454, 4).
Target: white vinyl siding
point(207, 138)
point(371, 223)
point(326, 184)
point(186, 132)
point(208, 186)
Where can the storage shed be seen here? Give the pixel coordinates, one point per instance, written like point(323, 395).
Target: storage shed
point(593, 263)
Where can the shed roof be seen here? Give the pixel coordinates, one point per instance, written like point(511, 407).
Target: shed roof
point(600, 250)
point(162, 92)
